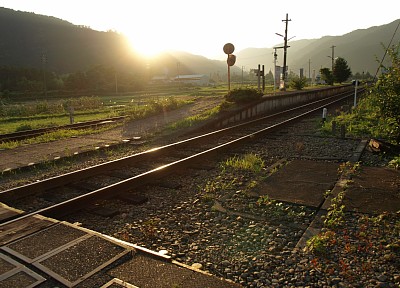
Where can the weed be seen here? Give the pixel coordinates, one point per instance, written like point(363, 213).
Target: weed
point(327, 194)
point(250, 162)
point(265, 200)
point(335, 215)
point(321, 243)
point(395, 162)
point(251, 186)
point(149, 228)
point(193, 120)
point(210, 190)
point(349, 169)
point(299, 147)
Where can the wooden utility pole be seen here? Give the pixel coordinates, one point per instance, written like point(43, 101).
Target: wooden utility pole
point(333, 56)
point(285, 46)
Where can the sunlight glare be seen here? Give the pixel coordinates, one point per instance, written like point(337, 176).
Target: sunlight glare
point(147, 48)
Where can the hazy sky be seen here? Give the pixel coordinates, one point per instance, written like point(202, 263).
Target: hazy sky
point(202, 27)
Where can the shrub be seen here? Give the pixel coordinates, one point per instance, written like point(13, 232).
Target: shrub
point(298, 83)
point(23, 127)
point(243, 95)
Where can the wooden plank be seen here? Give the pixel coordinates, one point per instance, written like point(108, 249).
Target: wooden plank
point(119, 283)
point(7, 211)
point(16, 230)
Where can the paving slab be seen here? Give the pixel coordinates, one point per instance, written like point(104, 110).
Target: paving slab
point(302, 182)
point(374, 190)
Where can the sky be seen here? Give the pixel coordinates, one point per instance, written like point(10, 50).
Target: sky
point(202, 27)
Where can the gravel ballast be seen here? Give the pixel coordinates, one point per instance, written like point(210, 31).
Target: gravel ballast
point(214, 222)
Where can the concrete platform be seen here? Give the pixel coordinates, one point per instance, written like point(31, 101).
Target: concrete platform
point(371, 189)
point(72, 256)
point(302, 182)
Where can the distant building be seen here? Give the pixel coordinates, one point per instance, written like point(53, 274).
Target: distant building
point(195, 79)
point(160, 79)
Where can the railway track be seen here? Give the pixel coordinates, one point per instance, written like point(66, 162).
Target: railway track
point(63, 194)
point(21, 135)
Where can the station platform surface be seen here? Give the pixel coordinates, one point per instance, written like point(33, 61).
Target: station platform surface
point(43, 252)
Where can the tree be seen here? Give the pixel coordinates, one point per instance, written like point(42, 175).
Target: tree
point(387, 93)
point(269, 78)
point(341, 71)
point(326, 75)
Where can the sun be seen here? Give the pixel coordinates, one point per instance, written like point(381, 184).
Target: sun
point(147, 47)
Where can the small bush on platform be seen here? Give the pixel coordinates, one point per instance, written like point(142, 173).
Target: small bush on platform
point(243, 95)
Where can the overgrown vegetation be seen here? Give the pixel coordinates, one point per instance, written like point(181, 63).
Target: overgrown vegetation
point(195, 119)
point(251, 162)
point(53, 136)
point(377, 114)
point(57, 113)
point(241, 179)
point(232, 174)
point(243, 95)
point(349, 248)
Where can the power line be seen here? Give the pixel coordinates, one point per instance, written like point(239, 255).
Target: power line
point(387, 48)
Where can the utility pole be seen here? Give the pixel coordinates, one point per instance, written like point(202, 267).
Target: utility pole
point(275, 56)
point(285, 46)
point(333, 56)
point(309, 70)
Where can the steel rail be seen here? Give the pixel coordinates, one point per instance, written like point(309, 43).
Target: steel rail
point(115, 189)
point(61, 180)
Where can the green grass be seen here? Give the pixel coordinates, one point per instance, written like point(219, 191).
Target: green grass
point(10, 125)
point(195, 119)
point(22, 117)
point(249, 162)
point(56, 135)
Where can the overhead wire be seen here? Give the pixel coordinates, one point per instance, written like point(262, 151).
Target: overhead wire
point(387, 48)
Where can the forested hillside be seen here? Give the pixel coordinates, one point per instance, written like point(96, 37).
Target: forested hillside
point(31, 40)
point(34, 47)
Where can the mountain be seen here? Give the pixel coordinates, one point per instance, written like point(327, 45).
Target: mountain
point(31, 40)
point(360, 48)
point(36, 40)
